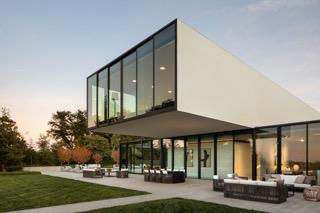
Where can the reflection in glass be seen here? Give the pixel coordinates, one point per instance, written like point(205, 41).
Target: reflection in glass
point(147, 154)
point(165, 67)
point(123, 151)
point(293, 149)
point(192, 157)
point(243, 154)
point(207, 156)
point(266, 150)
point(179, 154)
point(115, 92)
point(92, 101)
point(167, 153)
point(129, 86)
point(145, 77)
point(224, 155)
point(314, 148)
point(156, 153)
point(102, 94)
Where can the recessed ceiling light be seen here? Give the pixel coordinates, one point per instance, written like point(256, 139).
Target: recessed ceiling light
point(169, 91)
point(162, 68)
point(301, 140)
point(134, 81)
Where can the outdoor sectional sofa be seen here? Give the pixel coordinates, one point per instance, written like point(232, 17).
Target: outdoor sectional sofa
point(300, 182)
point(164, 176)
point(269, 192)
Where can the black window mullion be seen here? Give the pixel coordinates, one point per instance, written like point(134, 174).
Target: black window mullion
point(215, 155)
point(185, 156)
point(97, 101)
point(199, 156)
point(254, 156)
point(307, 149)
point(279, 150)
point(153, 71)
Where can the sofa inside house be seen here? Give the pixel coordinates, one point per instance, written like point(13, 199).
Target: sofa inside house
point(300, 182)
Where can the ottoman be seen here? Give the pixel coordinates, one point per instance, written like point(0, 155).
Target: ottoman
point(312, 193)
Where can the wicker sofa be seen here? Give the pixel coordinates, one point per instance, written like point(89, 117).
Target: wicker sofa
point(93, 173)
point(164, 176)
point(300, 182)
point(269, 192)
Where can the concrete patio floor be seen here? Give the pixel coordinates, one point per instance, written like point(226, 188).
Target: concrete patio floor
point(191, 189)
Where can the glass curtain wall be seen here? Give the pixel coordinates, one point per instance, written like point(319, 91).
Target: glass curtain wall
point(179, 154)
point(192, 157)
point(207, 156)
point(313, 150)
point(92, 100)
point(293, 149)
point(115, 92)
point(145, 77)
point(266, 150)
point(164, 43)
point(224, 155)
point(167, 154)
point(123, 160)
point(147, 154)
point(129, 86)
point(156, 145)
point(243, 154)
point(102, 95)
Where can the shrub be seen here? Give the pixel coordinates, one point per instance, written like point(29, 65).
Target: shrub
point(81, 155)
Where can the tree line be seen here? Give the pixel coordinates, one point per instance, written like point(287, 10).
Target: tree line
point(67, 136)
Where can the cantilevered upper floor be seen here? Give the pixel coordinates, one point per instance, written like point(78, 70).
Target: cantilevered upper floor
point(177, 82)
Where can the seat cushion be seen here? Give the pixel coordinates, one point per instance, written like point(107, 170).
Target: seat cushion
point(300, 179)
point(231, 181)
point(267, 183)
point(302, 185)
point(248, 182)
point(308, 179)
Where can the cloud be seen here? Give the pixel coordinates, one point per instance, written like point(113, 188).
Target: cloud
point(267, 6)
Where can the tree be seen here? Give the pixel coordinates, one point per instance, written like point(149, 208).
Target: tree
point(12, 144)
point(97, 158)
point(64, 155)
point(68, 128)
point(43, 142)
point(81, 155)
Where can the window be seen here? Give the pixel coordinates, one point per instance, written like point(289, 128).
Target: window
point(207, 156)
point(129, 86)
point(165, 67)
point(123, 151)
point(147, 154)
point(192, 157)
point(224, 154)
point(179, 154)
point(92, 101)
point(293, 149)
point(243, 154)
point(145, 77)
point(167, 153)
point(156, 145)
point(115, 92)
point(102, 95)
point(266, 150)
point(314, 147)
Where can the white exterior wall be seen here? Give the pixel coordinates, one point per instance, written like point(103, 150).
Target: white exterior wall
point(213, 83)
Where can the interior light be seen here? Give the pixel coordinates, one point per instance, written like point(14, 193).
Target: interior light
point(162, 68)
point(301, 140)
point(134, 81)
point(169, 91)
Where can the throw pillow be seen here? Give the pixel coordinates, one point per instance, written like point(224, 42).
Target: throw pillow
point(299, 179)
point(308, 179)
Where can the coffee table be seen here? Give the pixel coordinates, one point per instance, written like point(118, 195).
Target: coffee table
point(290, 187)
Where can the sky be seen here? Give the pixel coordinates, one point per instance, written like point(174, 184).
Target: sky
point(48, 48)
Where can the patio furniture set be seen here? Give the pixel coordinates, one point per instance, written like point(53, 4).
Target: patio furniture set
point(273, 188)
point(164, 176)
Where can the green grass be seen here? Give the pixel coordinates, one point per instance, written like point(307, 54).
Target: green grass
point(20, 173)
point(172, 206)
point(33, 191)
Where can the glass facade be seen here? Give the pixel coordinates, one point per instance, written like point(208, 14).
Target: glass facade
point(293, 149)
point(142, 81)
point(178, 150)
point(145, 77)
point(192, 157)
point(224, 154)
point(156, 145)
point(243, 154)
point(92, 101)
point(129, 86)
point(102, 95)
point(164, 44)
point(266, 151)
point(207, 156)
point(167, 154)
point(147, 154)
point(313, 150)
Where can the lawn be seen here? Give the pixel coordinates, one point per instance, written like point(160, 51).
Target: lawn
point(34, 190)
point(172, 206)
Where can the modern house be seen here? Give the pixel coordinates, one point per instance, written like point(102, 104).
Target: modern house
point(201, 110)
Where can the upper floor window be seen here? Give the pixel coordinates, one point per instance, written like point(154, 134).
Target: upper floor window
point(92, 100)
point(129, 85)
point(102, 95)
point(115, 92)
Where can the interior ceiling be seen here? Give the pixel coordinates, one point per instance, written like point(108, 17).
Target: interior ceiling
point(169, 124)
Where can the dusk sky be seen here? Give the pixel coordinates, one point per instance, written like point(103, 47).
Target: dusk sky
point(48, 48)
